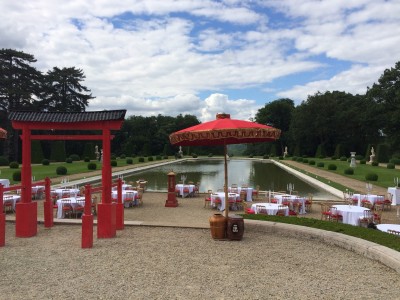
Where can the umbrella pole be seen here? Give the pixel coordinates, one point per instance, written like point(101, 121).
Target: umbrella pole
point(226, 184)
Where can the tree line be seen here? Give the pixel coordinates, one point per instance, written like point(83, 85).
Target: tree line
point(332, 123)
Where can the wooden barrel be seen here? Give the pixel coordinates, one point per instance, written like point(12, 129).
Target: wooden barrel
point(217, 226)
point(235, 228)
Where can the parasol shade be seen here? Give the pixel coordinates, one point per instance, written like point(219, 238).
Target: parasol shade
point(224, 131)
point(3, 133)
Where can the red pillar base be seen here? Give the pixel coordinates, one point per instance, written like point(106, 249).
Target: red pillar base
point(48, 214)
point(2, 229)
point(171, 201)
point(26, 219)
point(106, 220)
point(87, 231)
point(120, 216)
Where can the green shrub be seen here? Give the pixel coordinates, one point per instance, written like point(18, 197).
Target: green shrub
point(343, 158)
point(382, 153)
point(374, 164)
point(14, 165)
point(150, 158)
point(305, 160)
point(16, 176)
point(349, 171)
point(68, 160)
point(4, 161)
point(266, 156)
point(129, 161)
point(311, 162)
point(281, 158)
point(390, 166)
point(251, 155)
point(61, 170)
point(92, 166)
point(114, 163)
point(334, 157)
point(141, 159)
point(158, 157)
point(395, 161)
point(320, 164)
point(113, 157)
point(210, 155)
point(123, 156)
point(299, 159)
point(362, 162)
point(294, 158)
point(194, 155)
point(86, 159)
point(371, 177)
point(75, 157)
point(332, 167)
point(45, 162)
point(359, 157)
point(165, 156)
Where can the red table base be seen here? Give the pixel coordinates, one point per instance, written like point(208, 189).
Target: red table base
point(26, 219)
point(106, 220)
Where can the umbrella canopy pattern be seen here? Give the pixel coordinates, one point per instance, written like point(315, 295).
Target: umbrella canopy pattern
point(3, 133)
point(224, 131)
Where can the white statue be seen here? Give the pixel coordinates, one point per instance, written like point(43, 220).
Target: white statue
point(96, 151)
point(285, 153)
point(372, 156)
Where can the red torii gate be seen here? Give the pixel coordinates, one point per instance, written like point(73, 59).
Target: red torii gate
point(26, 210)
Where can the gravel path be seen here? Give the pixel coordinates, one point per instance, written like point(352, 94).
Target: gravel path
point(177, 263)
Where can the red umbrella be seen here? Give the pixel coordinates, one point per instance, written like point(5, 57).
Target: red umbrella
point(224, 131)
point(3, 133)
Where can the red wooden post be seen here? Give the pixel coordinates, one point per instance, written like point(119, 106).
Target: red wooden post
point(120, 207)
point(26, 210)
point(48, 205)
point(171, 201)
point(2, 219)
point(87, 220)
point(106, 210)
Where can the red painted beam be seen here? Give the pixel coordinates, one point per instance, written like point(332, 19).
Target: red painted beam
point(64, 137)
point(94, 125)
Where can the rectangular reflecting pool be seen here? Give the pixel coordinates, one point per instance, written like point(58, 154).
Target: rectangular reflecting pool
point(210, 174)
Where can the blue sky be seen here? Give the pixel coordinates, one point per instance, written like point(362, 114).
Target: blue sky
point(202, 57)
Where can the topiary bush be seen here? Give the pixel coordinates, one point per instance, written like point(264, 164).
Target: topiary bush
point(265, 156)
point(165, 157)
point(45, 162)
point(210, 155)
point(150, 158)
point(4, 161)
point(300, 159)
point(371, 177)
point(332, 167)
point(129, 161)
point(75, 157)
point(122, 156)
point(141, 159)
point(294, 158)
point(311, 162)
point(16, 176)
point(343, 158)
point(194, 155)
point(92, 166)
point(374, 164)
point(305, 160)
point(158, 157)
point(68, 160)
point(86, 159)
point(14, 165)
point(320, 164)
point(61, 170)
point(395, 161)
point(363, 162)
point(390, 166)
point(114, 163)
point(349, 171)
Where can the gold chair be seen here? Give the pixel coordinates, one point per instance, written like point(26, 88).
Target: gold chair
point(366, 219)
point(335, 216)
point(207, 199)
point(79, 208)
point(387, 203)
point(261, 209)
point(377, 215)
point(308, 203)
point(325, 211)
point(66, 207)
point(281, 211)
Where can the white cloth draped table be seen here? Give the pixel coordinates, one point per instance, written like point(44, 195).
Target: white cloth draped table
point(271, 208)
point(395, 195)
point(12, 198)
point(237, 190)
point(5, 182)
point(126, 195)
point(181, 187)
point(292, 198)
point(386, 227)
point(221, 195)
point(351, 214)
point(370, 197)
point(72, 192)
point(74, 203)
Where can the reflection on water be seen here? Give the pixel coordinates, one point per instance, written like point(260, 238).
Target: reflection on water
point(210, 174)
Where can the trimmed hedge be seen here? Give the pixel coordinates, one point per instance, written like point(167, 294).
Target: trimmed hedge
point(390, 166)
point(129, 161)
point(14, 165)
point(61, 170)
point(114, 163)
point(332, 167)
point(349, 171)
point(92, 166)
point(320, 164)
point(45, 162)
point(4, 161)
point(17, 176)
point(371, 177)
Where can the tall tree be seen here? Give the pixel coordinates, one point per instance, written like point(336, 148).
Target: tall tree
point(386, 93)
point(64, 91)
point(20, 87)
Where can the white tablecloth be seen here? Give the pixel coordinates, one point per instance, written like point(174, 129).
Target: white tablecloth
point(237, 190)
point(351, 214)
point(72, 192)
point(272, 208)
point(221, 195)
point(302, 200)
point(371, 198)
point(73, 204)
point(124, 187)
point(385, 227)
point(181, 187)
point(5, 182)
point(13, 198)
point(396, 195)
point(125, 194)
